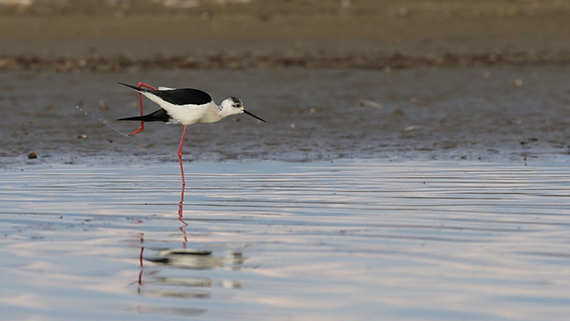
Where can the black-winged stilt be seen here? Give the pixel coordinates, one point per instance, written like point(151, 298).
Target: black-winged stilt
point(185, 106)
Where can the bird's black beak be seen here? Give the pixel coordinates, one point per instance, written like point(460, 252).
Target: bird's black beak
point(252, 115)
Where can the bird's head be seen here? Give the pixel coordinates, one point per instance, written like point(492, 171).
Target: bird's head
point(234, 106)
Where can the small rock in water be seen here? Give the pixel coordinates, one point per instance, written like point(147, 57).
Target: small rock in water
point(369, 103)
point(32, 155)
point(103, 105)
point(412, 128)
point(530, 140)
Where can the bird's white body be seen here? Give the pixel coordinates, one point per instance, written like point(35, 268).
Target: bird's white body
point(189, 114)
point(186, 106)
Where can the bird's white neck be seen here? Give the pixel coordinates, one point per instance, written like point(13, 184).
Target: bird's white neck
point(224, 112)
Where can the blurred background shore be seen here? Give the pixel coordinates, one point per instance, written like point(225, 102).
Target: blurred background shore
point(132, 35)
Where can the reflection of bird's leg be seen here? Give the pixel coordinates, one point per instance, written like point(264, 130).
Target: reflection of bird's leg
point(141, 264)
point(181, 228)
point(140, 129)
point(180, 160)
point(181, 217)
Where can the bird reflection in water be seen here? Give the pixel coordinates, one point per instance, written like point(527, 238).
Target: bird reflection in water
point(194, 258)
point(141, 263)
point(184, 258)
point(181, 219)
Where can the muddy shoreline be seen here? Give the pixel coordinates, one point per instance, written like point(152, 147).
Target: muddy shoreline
point(479, 113)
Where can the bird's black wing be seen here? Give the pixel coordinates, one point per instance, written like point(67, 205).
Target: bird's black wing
point(184, 96)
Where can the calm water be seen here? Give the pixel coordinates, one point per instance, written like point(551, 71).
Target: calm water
point(287, 241)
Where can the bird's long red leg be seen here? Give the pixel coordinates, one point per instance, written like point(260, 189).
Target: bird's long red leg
point(140, 129)
point(180, 160)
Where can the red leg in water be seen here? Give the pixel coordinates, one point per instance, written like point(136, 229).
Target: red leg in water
point(180, 160)
point(140, 129)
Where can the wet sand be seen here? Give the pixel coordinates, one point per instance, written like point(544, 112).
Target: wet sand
point(281, 241)
point(499, 113)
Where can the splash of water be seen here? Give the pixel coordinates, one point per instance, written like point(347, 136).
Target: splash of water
point(103, 121)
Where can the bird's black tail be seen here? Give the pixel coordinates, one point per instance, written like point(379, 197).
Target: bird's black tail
point(159, 115)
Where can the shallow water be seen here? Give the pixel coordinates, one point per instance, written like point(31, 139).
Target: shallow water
point(287, 241)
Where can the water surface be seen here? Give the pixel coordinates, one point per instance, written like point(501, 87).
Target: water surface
point(356, 240)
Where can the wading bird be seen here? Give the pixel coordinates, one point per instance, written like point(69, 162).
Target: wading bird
point(184, 106)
